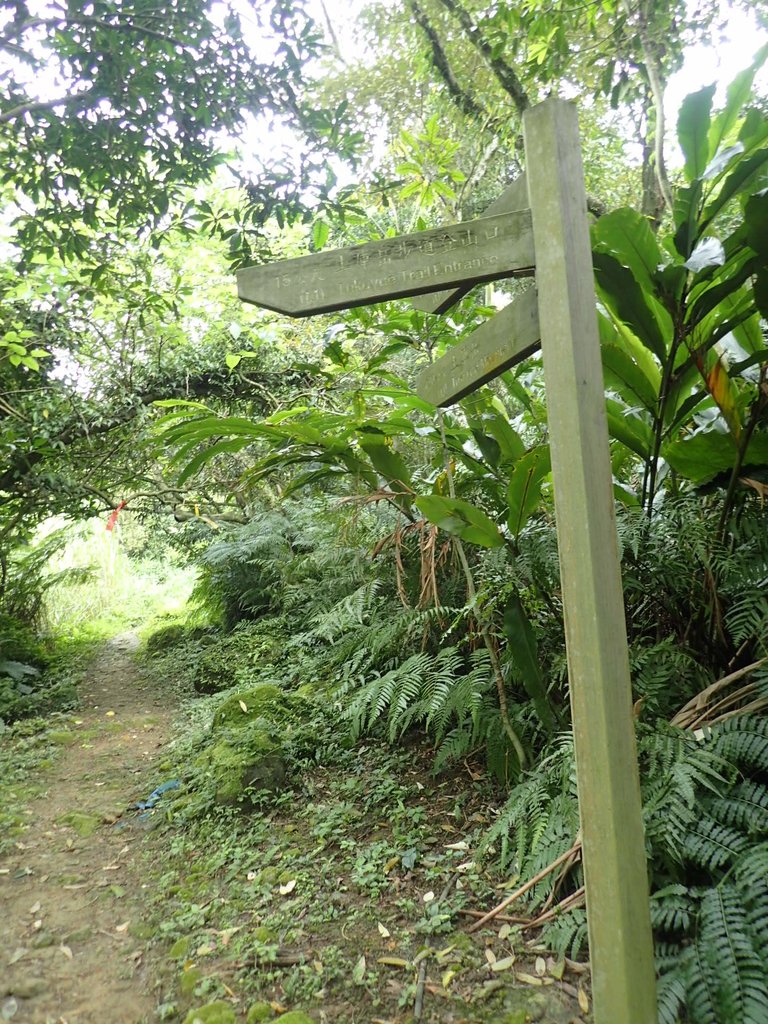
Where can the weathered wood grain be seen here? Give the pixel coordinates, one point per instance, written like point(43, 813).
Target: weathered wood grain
point(492, 348)
point(620, 942)
point(514, 197)
point(478, 250)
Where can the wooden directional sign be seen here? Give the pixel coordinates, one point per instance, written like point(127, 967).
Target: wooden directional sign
point(561, 308)
point(477, 250)
point(513, 198)
point(501, 342)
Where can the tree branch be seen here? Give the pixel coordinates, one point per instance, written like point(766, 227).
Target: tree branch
point(84, 20)
point(80, 99)
point(653, 71)
point(461, 97)
point(505, 74)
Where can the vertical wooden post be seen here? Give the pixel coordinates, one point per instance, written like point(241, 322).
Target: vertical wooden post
point(598, 665)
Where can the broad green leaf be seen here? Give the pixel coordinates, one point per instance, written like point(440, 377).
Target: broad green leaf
point(286, 414)
point(170, 403)
point(623, 373)
point(489, 446)
point(705, 456)
point(723, 286)
point(737, 95)
point(627, 300)
point(760, 291)
point(722, 389)
point(614, 333)
point(320, 233)
point(693, 131)
point(388, 462)
point(523, 650)
point(741, 179)
point(401, 398)
point(524, 489)
point(485, 414)
point(754, 130)
point(721, 160)
point(686, 215)
point(233, 359)
point(627, 235)
point(628, 427)
point(461, 519)
point(207, 454)
point(756, 220)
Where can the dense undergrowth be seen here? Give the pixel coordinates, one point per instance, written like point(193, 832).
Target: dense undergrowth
point(381, 710)
point(340, 639)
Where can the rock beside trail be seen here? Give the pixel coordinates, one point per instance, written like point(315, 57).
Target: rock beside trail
point(212, 1013)
point(243, 753)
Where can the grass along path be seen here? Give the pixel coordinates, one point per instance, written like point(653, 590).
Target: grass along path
point(72, 932)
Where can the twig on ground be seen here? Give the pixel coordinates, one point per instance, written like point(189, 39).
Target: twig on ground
point(418, 1002)
point(569, 855)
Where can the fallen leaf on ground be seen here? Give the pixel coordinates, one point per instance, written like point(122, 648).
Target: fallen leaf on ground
point(243, 706)
point(541, 966)
point(527, 979)
point(35, 909)
point(288, 887)
point(583, 1001)
point(504, 964)
point(358, 971)
point(17, 954)
point(383, 931)
point(122, 927)
point(557, 970)
point(66, 951)
point(490, 956)
point(393, 961)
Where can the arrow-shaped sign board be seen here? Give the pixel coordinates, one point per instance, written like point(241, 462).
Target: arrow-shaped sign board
point(513, 198)
point(501, 342)
point(477, 250)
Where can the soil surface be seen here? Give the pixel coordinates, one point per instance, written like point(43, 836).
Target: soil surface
point(72, 935)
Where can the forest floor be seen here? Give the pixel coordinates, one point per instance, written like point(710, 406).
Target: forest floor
point(343, 902)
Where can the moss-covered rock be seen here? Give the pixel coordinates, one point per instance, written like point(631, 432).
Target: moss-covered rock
point(166, 637)
point(295, 1017)
point(180, 948)
point(259, 1012)
point(264, 701)
point(189, 980)
point(84, 824)
point(212, 1013)
point(243, 760)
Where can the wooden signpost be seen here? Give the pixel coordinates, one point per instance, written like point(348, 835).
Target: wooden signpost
point(559, 312)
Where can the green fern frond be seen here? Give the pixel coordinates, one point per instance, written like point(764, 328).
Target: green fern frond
point(745, 807)
point(743, 741)
point(712, 846)
point(729, 982)
point(670, 995)
point(747, 618)
point(672, 910)
point(567, 934)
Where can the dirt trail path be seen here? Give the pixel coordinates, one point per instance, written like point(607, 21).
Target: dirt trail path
point(71, 933)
